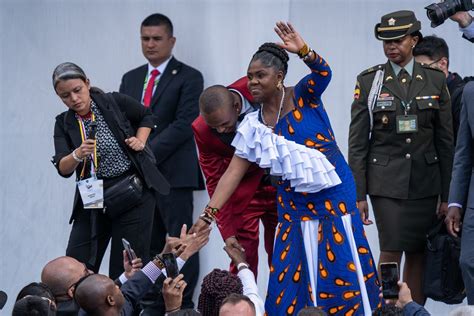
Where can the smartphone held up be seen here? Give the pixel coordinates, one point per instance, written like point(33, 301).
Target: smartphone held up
point(390, 277)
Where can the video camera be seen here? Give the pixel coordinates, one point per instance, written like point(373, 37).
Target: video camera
point(439, 12)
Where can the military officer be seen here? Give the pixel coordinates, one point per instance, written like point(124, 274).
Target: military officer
point(401, 146)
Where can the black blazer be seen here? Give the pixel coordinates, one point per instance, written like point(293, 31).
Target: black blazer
point(174, 106)
point(123, 118)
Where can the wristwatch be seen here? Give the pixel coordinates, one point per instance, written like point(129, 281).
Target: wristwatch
point(243, 265)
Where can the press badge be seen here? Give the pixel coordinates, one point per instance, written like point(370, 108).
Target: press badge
point(92, 192)
point(407, 124)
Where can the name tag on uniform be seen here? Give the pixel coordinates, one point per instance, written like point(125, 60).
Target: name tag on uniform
point(384, 104)
point(92, 192)
point(407, 124)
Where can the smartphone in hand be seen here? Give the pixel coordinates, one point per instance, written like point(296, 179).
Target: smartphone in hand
point(92, 130)
point(390, 277)
point(169, 259)
point(130, 253)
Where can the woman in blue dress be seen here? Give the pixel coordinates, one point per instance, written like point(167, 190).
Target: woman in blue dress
point(321, 255)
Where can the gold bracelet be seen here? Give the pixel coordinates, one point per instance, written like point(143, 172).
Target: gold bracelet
point(304, 51)
point(211, 210)
point(205, 218)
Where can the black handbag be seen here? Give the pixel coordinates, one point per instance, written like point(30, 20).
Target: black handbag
point(122, 195)
point(443, 279)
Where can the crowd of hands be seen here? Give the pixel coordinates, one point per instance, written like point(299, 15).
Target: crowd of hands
point(184, 246)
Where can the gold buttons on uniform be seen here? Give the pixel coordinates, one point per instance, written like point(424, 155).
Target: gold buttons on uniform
point(374, 160)
point(407, 156)
point(404, 80)
point(408, 140)
point(430, 104)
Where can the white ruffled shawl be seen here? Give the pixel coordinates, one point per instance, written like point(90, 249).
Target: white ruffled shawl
point(307, 169)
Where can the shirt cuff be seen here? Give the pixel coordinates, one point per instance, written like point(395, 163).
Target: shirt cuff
point(180, 263)
point(468, 31)
point(455, 204)
point(123, 278)
point(152, 271)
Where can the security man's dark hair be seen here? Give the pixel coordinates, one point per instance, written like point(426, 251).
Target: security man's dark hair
point(34, 306)
point(432, 46)
point(158, 19)
point(235, 299)
point(35, 288)
point(272, 55)
point(216, 286)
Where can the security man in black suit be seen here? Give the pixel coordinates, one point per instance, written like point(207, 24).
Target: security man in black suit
point(401, 146)
point(171, 89)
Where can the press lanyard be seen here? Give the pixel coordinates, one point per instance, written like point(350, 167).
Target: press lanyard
point(406, 107)
point(82, 129)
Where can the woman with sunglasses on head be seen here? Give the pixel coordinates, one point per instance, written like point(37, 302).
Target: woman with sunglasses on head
point(321, 256)
point(401, 146)
point(102, 137)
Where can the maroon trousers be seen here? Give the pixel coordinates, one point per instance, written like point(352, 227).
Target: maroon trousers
point(261, 207)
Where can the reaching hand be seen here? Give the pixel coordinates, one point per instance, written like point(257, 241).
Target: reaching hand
point(236, 254)
point(198, 226)
point(173, 292)
point(363, 207)
point(292, 41)
point(131, 267)
point(194, 242)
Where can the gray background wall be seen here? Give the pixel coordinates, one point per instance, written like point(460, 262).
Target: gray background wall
point(215, 36)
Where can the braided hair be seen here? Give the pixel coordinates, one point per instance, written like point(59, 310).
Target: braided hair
point(272, 55)
point(215, 287)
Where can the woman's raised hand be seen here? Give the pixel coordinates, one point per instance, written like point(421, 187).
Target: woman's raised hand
point(292, 41)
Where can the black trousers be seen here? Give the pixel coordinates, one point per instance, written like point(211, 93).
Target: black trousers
point(171, 213)
point(135, 225)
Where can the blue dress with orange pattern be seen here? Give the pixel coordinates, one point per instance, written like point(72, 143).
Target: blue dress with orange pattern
point(321, 254)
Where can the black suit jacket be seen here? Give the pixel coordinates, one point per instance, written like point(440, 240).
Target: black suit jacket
point(462, 182)
point(123, 117)
point(175, 106)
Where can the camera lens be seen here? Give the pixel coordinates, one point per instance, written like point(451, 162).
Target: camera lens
point(439, 12)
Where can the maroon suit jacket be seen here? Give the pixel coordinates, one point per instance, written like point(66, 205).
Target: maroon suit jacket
point(214, 158)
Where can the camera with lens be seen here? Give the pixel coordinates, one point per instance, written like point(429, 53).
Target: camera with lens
point(439, 12)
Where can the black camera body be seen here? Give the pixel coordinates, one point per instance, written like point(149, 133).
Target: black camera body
point(439, 12)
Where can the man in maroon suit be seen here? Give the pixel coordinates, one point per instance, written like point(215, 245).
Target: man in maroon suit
point(222, 109)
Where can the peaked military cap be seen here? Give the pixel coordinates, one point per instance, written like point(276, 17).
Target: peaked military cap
point(397, 24)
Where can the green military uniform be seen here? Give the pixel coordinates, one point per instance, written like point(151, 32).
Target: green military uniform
point(401, 154)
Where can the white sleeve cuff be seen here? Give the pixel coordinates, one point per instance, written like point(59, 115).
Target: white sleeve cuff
point(468, 31)
point(455, 204)
point(123, 278)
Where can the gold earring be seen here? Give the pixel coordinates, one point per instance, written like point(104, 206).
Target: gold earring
point(279, 85)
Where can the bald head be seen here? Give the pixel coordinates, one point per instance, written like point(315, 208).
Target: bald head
point(59, 274)
point(214, 98)
point(98, 293)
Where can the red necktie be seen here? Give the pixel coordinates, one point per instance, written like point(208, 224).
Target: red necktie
point(149, 88)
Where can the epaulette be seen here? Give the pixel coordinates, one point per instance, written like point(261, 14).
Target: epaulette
point(426, 66)
point(372, 69)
